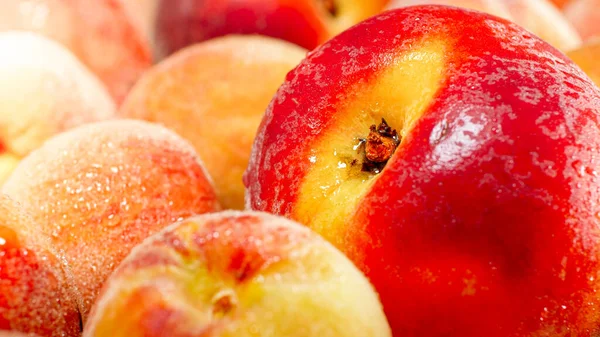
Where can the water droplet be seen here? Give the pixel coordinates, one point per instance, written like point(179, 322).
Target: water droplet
point(113, 220)
point(579, 168)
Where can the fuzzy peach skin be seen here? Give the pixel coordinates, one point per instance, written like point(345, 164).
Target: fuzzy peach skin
point(480, 215)
point(35, 293)
point(44, 90)
point(99, 32)
point(237, 274)
point(214, 94)
point(100, 189)
point(538, 16)
point(588, 58)
point(585, 16)
point(306, 23)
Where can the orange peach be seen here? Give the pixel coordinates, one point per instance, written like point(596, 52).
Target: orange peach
point(538, 16)
point(99, 32)
point(44, 90)
point(100, 189)
point(35, 295)
point(237, 274)
point(214, 94)
point(585, 16)
point(588, 58)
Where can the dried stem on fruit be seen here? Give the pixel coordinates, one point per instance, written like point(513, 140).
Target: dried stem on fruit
point(378, 147)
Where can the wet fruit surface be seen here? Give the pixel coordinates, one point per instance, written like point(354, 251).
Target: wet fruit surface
point(486, 214)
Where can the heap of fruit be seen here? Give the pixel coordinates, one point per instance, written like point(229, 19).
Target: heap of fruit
point(190, 169)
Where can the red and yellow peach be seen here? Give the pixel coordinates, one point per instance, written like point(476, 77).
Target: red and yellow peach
point(237, 274)
point(453, 156)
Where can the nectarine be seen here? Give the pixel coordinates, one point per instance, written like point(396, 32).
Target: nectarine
point(307, 23)
point(44, 90)
point(100, 189)
point(237, 275)
point(453, 156)
point(214, 94)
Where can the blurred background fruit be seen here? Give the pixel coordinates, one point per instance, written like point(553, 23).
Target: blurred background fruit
point(214, 94)
point(541, 17)
point(44, 90)
point(585, 16)
point(306, 23)
point(99, 32)
point(588, 58)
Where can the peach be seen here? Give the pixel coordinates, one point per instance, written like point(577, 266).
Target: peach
point(99, 32)
point(35, 294)
point(538, 16)
point(453, 156)
point(214, 94)
point(585, 16)
point(588, 58)
point(44, 90)
point(143, 14)
point(237, 274)
point(306, 23)
point(100, 189)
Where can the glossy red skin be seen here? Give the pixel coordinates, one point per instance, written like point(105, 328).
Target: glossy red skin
point(183, 22)
point(507, 193)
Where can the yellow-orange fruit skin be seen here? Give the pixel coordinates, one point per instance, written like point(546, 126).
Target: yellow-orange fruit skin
point(100, 189)
point(214, 94)
point(588, 58)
